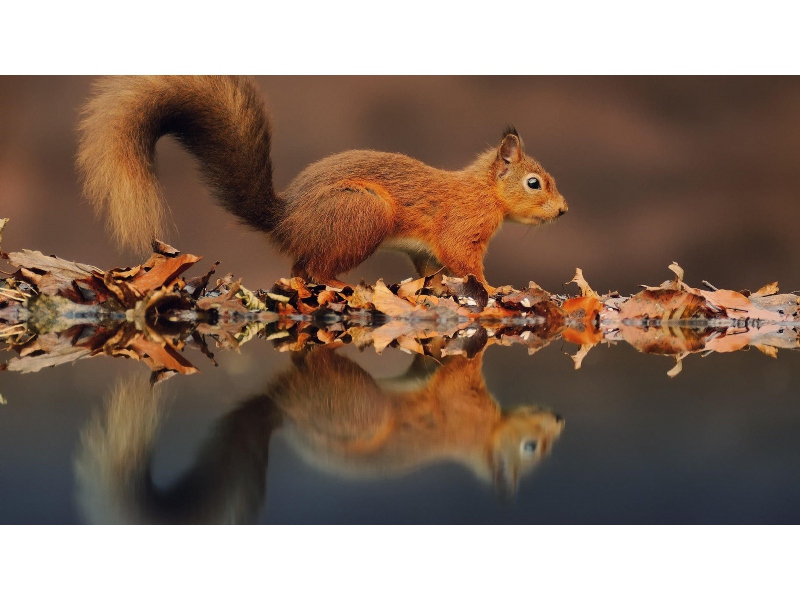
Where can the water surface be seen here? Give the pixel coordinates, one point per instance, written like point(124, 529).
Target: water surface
point(716, 444)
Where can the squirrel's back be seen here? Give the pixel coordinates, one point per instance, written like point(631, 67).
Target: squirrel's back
point(221, 120)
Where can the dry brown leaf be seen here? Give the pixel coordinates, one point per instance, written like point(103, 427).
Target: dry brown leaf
point(31, 276)
point(160, 247)
point(385, 301)
point(736, 305)
point(678, 270)
point(504, 290)
point(663, 340)
point(497, 313)
point(675, 371)
point(326, 337)
point(409, 289)
point(127, 294)
point(47, 350)
point(306, 309)
point(300, 286)
point(387, 333)
point(586, 289)
point(526, 298)
point(584, 308)
point(33, 259)
point(125, 273)
point(326, 297)
point(285, 310)
point(664, 304)
point(161, 270)
point(732, 341)
point(411, 344)
point(586, 336)
point(467, 288)
point(159, 357)
point(361, 297)
point(577, 359)
point(786, 307)
point(770, 351)
point(32, 364)
point(361, 336)
point(768, 290)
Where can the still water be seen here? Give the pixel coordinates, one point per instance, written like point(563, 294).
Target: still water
point(349, 436)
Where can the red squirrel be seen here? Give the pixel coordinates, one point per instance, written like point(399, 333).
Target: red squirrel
point(335, 214)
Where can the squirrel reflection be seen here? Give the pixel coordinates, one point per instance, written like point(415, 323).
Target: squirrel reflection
point(336, 416)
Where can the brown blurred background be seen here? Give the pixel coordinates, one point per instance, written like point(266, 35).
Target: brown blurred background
point(700, 170)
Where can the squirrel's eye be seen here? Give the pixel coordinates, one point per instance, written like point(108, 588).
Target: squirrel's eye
point(529, 446)
point(534, 183)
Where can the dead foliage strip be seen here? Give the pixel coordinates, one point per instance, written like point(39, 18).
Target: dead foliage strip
point(54, 311)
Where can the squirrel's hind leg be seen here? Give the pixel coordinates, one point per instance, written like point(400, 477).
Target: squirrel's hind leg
point(335, 231)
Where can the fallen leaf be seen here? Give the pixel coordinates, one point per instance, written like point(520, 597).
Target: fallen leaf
point(675, 371)
point(387, 333)
point(361, 297)
point(584, 308)
point(160, 357)
point(770, 351)
point(768, 290)
point(526, 298)
point(409, 289)
point(577, 359)
point(467, 287)
point(589, 335)
point(161, 270)
point(2, 225)
point(678, 281)
point(586, 289)
point(737, 306)
point(326, 297)
point(32, 364)
point(389, 304)
point(665, 304)
point(160, 247)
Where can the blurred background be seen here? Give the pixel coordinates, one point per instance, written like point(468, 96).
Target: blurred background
point(699, 170)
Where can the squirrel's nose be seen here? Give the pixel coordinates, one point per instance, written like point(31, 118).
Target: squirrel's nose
point(563, 210)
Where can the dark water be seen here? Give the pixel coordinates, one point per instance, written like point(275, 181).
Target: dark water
point(320, 439)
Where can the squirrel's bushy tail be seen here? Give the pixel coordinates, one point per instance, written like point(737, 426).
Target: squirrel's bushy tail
point(222, 121)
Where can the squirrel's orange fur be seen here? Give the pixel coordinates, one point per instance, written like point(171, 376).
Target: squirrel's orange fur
point(334, 214)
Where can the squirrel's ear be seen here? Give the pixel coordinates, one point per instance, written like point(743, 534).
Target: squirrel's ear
point(510, 148)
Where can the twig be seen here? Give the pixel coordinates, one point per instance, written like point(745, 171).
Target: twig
point(9, 331)
point(10, 294)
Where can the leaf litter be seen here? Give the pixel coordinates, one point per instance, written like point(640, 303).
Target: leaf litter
point(54, 311)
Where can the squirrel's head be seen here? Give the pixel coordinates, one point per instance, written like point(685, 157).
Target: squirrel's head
point(522, 438)
point(527, 190)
